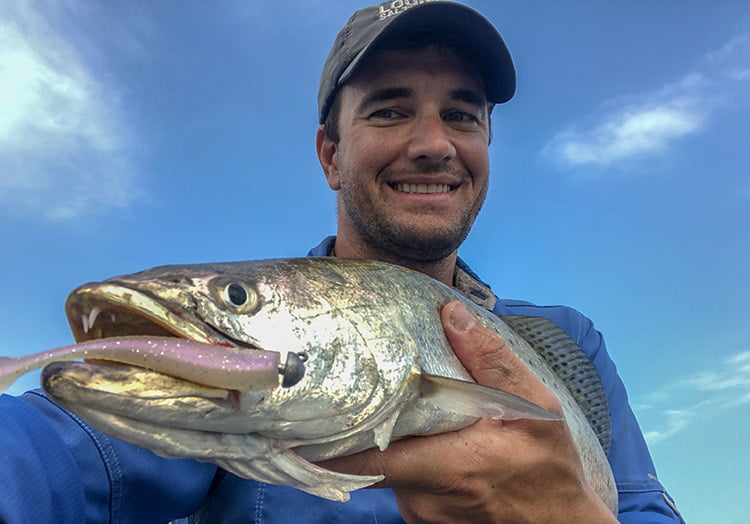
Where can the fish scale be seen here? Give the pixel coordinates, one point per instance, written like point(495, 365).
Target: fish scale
point(573, 367)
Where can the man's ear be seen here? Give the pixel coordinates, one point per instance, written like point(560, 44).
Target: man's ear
point(327, 157)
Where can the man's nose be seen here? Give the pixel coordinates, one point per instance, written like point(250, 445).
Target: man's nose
point(430, 139)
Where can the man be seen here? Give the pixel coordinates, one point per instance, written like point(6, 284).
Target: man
point(405, 102)
point(403, 141)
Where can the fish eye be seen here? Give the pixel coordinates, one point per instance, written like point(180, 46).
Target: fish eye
point(237, 296)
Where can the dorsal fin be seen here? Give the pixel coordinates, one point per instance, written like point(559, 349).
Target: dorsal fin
point(573, 367)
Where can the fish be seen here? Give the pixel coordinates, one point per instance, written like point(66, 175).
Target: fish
point(366, 362)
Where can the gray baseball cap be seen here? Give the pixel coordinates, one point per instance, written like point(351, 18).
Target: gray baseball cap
point(375, 24)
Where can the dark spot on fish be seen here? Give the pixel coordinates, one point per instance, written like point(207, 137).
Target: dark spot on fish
point(178, 279)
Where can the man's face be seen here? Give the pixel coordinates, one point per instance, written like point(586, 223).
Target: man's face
point(411, 165)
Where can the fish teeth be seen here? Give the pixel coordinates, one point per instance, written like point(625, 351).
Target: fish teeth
point(423, 188)
point(92, 315)
point(88, 321)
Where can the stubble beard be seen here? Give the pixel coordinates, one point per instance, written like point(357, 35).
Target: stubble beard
point(395, 241)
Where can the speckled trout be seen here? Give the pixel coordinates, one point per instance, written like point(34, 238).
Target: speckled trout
point(266, 367)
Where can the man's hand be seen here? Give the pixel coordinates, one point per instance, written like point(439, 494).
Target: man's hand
point(492, 471)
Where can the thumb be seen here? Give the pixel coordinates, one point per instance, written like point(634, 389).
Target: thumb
point(488, 357)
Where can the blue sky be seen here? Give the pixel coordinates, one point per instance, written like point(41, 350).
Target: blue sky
point(134, 134)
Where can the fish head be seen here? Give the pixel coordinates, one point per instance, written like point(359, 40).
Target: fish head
point(231, 304)
point(312, 309)
point(289, 305)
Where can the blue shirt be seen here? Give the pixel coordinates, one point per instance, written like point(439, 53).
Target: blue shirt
point(56, 468)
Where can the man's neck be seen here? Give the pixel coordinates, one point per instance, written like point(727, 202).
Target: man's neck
point(442, 270)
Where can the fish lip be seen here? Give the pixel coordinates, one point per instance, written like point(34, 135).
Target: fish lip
point(123, 310)
point(120, 310)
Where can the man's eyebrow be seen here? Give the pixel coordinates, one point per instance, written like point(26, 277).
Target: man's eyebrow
point(387, 93)
point(469, 96)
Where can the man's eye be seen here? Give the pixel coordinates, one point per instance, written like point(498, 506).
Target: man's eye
point(460, 117)
point(385, 114)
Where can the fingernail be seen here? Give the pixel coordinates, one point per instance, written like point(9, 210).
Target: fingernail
point(461, 319)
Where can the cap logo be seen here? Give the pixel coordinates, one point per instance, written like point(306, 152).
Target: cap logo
point(389, 9)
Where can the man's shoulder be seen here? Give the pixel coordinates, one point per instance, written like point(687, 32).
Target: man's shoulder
point(509, 306)
point(576, 324)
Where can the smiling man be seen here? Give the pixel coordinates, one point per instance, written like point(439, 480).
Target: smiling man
point(405, 101)
point(410, 163)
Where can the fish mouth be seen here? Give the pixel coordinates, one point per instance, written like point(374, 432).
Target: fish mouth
point(106, 310)
point(105, 386)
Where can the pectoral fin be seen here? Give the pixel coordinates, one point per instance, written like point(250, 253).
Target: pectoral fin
point(469, 398)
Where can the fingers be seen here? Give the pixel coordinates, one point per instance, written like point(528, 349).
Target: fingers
point(411, 463)
point(489, 359)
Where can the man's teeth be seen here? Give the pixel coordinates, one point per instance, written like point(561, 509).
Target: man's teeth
point(423, 188)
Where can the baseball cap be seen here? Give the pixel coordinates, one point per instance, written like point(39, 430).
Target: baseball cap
point(372, 25)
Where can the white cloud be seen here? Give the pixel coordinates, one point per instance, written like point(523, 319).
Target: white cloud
point(650, 123)
point(674, 421)
point(733, 57)
point(626, 134)
point(740, 359)
point(672, 408)
point(63, 144)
